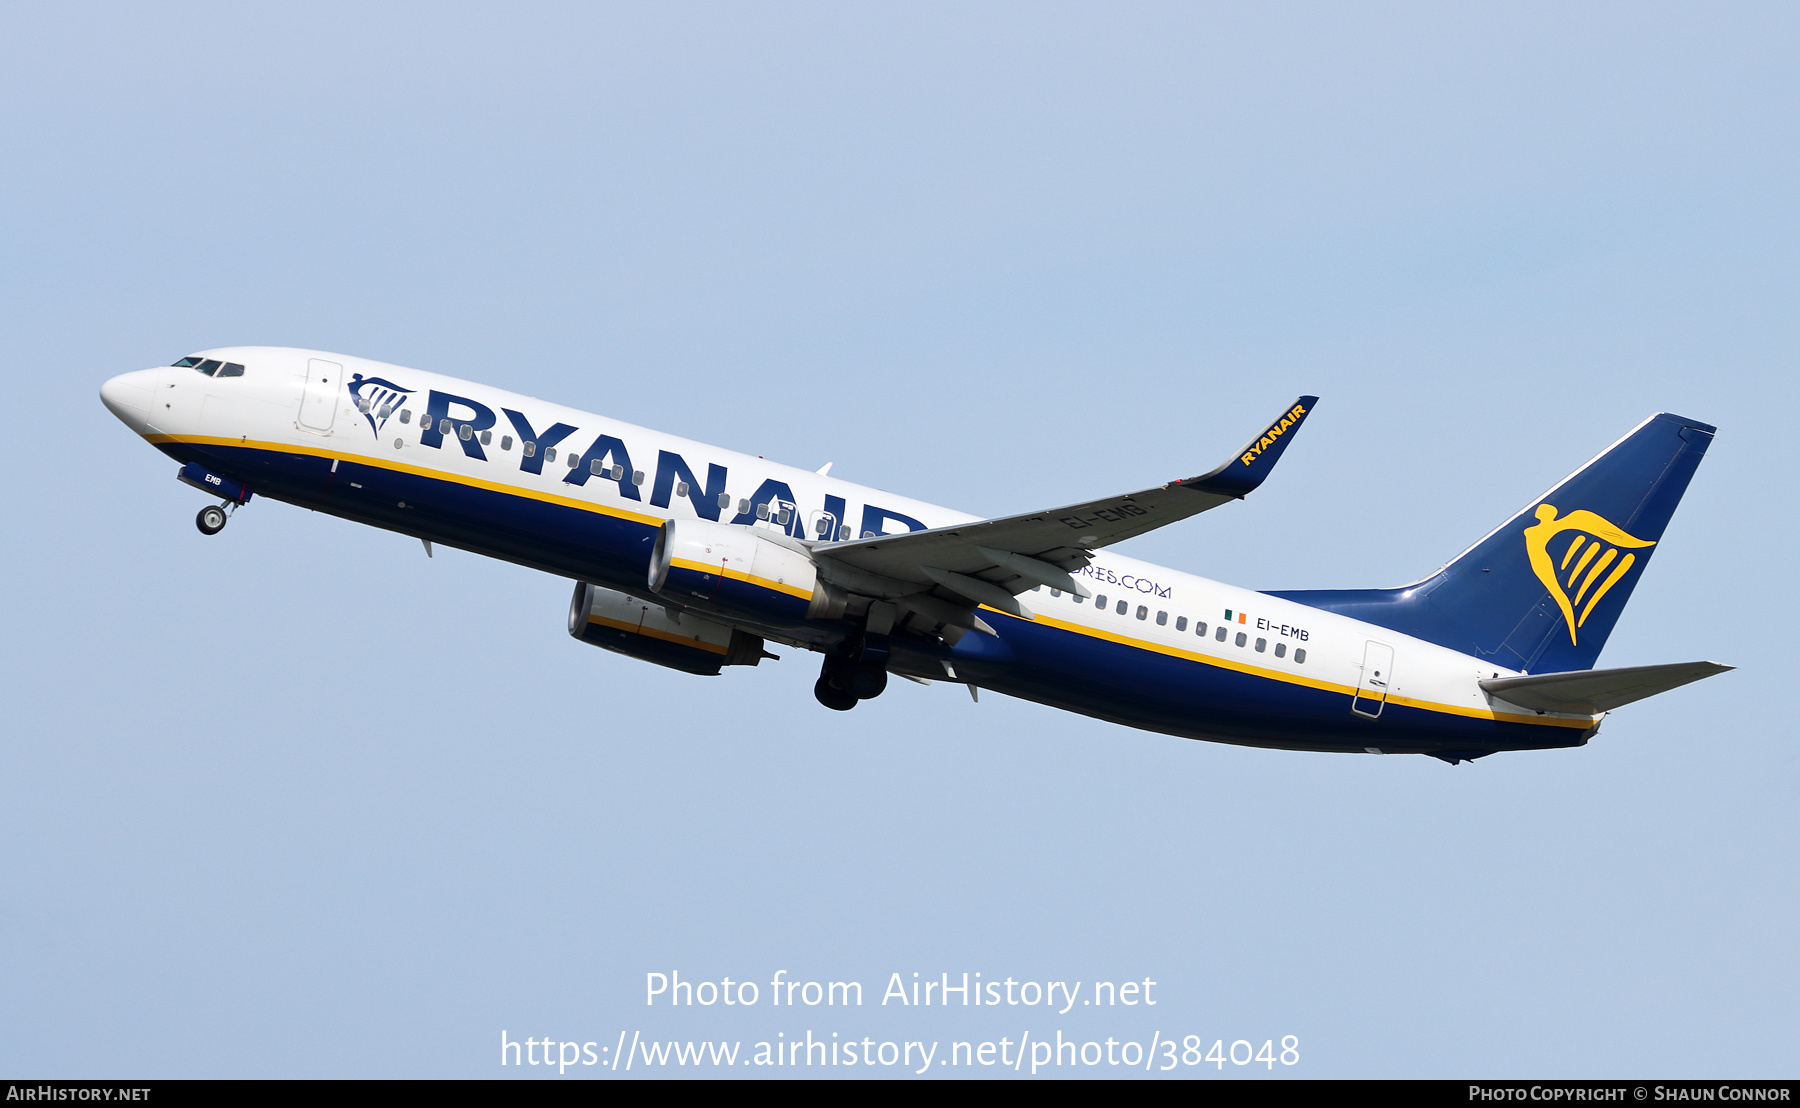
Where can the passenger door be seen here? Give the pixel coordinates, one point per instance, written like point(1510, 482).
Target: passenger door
point(319, 404)
point(1377, 677)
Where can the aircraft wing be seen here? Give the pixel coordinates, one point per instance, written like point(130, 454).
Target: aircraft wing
point(990, 561)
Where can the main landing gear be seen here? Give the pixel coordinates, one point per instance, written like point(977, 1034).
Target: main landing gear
point(845, 680)
point(212, 519)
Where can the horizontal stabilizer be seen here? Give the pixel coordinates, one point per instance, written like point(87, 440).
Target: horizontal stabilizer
point(1596, 690)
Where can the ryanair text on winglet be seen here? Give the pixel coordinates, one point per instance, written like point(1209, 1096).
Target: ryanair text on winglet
point(1274, 432)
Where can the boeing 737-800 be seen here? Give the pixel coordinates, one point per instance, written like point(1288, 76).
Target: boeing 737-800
point(696, 558)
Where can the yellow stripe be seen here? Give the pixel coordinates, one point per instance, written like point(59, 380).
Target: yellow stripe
point(417, 471)
point(637, 629)
point(740, 575)
point(492, 486)
point(1294, 678)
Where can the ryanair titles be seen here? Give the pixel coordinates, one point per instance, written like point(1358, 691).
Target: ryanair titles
point(1274, 432)
point(469, 423)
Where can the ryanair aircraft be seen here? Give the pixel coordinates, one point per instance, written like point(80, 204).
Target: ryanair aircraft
point(693, 557)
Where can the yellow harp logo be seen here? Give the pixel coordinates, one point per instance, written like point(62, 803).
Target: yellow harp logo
point(1593, 550)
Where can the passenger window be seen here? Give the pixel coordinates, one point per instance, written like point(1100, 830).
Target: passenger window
point(466, 433)
point(405, 416)
point(1300, 656)
point(1142, 612)
point(1055, 592)
point(487, 437)
point(231, 369)
point(1123, 607)
point(528, 448)
point(681, 489)
point(385, 411)
point(574, 460)
point(1100, 602)
point(783, 516)
point(868, 534)
point(1181, 623)
point(506, 442)
point(1281, 650)
point(362, 406)
point(1200, 628)
point(1220, 635)
point(724, 500)
point(594, 467)
point(549, 453)
point(1262, 645)
point(637, 477)
point(445, 427)
point(1162, 619)
point(1037, 588)
point(210, 366)
point(1242, 638)
point(762, 510)
point(844, 534)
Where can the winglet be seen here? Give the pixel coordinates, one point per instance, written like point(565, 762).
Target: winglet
point(1242, 474)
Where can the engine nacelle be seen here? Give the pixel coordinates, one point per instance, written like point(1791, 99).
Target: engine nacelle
point(762, 576)
point(626, 625)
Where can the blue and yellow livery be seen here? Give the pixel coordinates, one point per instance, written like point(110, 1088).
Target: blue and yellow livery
point(697, 558)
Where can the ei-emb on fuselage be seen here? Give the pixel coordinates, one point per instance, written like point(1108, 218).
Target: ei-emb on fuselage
point(696, 558)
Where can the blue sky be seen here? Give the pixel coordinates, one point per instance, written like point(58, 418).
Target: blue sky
point(296, 800)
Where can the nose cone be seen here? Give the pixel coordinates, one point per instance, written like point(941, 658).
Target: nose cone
point(128, 397)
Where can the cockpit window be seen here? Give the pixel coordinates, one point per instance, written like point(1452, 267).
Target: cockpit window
point(212, 367)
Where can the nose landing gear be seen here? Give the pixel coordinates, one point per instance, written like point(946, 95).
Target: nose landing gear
point(212, 519)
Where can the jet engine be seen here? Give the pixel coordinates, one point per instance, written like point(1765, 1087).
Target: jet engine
point(639, 629)
point(762, 576)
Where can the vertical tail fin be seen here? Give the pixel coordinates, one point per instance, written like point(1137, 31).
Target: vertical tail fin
point(1542, 592)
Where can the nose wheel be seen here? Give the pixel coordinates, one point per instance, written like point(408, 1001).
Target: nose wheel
point(211, 519)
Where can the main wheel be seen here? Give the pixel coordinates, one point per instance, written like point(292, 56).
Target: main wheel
point(866, 682)
point(211, 520)
point(838, 700)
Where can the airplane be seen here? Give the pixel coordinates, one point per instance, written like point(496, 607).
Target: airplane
point(696, 558)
